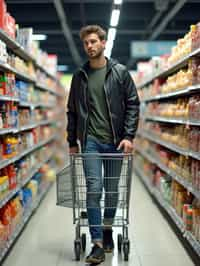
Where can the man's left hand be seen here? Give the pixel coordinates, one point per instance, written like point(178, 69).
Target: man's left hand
point(126, 145)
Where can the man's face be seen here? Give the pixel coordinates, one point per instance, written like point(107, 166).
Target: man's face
point(93, 46)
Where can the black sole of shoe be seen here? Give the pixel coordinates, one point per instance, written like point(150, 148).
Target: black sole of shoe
point(93, 260)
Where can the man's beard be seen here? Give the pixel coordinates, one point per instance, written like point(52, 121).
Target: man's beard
point(96, 56)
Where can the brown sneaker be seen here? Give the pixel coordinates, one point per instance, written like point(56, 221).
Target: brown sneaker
point(97, 255)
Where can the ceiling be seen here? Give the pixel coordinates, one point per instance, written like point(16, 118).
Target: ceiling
point(139, 20)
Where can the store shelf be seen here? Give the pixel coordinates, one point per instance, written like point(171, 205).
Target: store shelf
point(46, 122)
point(24, 128)
point(12, 193)
point(35, 105)
point(155, 139)
point(170, 210)
point(9, 196)
point(27, 104)
point(177, 66)
point(4, 163)
point(173, 121)
point(156, 194)
point(6, 131)
point(193, 242)
point(171, 173)
point(9, 98)
point(13, 45)
point(21, 52)
point(32, 125)
point(183, 92)
point(46, 105)
point(45, 88)
point(34, 171)
point(24, 221)
point(44, 70)
point(42, 143)
point(20, 75)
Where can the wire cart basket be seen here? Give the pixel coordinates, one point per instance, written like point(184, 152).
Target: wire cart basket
point(116, 176)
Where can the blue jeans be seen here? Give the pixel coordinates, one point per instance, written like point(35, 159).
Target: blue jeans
point(95, 182)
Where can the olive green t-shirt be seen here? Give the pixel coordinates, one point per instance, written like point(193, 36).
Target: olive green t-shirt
point(99, 120)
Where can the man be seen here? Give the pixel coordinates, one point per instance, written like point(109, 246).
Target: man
point(103, 110)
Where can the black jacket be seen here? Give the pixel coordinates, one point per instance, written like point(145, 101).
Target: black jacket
point(121, 97)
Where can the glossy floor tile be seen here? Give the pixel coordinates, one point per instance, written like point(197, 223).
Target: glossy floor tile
point(48, 237)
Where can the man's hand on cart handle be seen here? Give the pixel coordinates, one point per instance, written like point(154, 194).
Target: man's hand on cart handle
point(126, 145)
point(73, 150)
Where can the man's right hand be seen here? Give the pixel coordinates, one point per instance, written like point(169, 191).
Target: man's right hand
point(73, 150)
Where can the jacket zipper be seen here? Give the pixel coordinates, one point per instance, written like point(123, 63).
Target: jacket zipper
point(109, 111)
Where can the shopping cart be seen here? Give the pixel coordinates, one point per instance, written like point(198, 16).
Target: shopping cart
point(116, 177)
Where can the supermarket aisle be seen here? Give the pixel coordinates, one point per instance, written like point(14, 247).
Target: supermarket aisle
point(48, 238)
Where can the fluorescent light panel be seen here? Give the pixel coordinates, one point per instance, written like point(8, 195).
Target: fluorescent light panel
point(108, 50)
point(39, 37)
point(111, 34)
point(118, 2)
point(114, 17)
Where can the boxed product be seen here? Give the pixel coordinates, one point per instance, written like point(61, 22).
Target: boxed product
point(3, 52)
point(24, 38)
point(10, 26)
point(3, 14)
point(195, 36)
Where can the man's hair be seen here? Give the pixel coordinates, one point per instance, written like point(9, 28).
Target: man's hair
point(93, 29)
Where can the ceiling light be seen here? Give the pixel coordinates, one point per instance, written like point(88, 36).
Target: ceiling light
point(118, 2)
point(114, 17)
point(111, 34)
point(108, 50)
point(39, 37)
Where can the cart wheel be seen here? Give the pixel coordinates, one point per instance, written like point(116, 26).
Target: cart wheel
point(119, 242)
point(83, 241)
point(126, 247)
point(77, 249)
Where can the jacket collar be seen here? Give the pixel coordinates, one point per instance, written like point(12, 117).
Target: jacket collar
point(110, 63)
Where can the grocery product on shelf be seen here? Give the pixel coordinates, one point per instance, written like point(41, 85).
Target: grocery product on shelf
point(168, 140)
point(7, 22)
point(3, 52)
point(7, 84)
point(29, 93)
point(180, 80)
point(175, 196)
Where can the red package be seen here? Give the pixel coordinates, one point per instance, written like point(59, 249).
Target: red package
point(2, 14)
point(10, 25)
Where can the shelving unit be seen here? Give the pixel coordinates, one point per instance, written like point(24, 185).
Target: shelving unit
point(173, 147)
point(4, 67)
point(183, 92)
point(149, 136)
point(4, 163)
point(169, 209)
point(173, 121)
point(171, 173)
point(23, 183)
point(178, 65)
point(25, 220)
